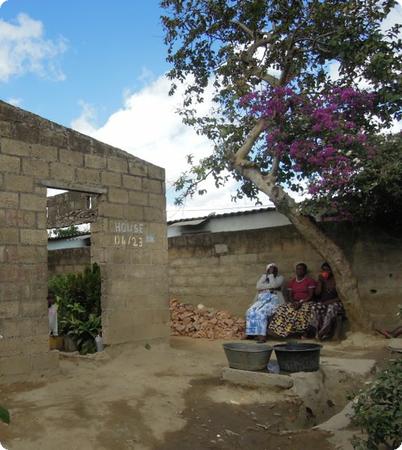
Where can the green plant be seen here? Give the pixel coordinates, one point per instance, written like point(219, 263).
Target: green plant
point(4, 415)
point(79, 308)
point(378, 410)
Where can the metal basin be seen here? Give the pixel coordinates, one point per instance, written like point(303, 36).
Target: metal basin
point(298, 357)
point(247, 356)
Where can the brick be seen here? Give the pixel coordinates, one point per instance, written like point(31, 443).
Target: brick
point(95, 162)
point(10, 164)
point(9, 235)
point(33, 309)
point(138, 168)
point(138, 198)
point(8, 309)
point(88, 176)
point(35, 167)
point(157, 201)
point(111, 179)
point(152, 186)
point(19, 218)
point(13, 147)
point(8, 200)
point(75, 159)
point(111, 210)
point(62, 172)
point(132, 182)
point(20, 183)
point(33, 237)
point(134, 213)
point(116, 195)
point(154, 214)
point(117, 164)
point(32, 202)
point(156, 172)
point(44, 153)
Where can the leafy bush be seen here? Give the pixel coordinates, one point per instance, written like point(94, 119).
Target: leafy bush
point(378, 410)
point(79, 306)
point(4, 415)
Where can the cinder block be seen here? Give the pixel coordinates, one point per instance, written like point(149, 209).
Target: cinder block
point(9, 236)
point(35, 167)
point(62, 172)
point(132, 182)
point(156, 172)
point(157, 201)
point(257, 379)
point(138, 198)
point(44, 153)
point(134, 213)
point(20, 183)
point(8, 309)
point(154, 214)
point(117, 165)
point(32, 202)
point(95, 162)
point(88, 176)
point(139, 168)
point(111, 179)
point(153, 186)
point(116, 195)
point(19, 218)
point(10, 164)
point(33, 237)
point(111, 210)
point(75, 159)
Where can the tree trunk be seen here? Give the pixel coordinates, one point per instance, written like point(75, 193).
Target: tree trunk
point(346, 282)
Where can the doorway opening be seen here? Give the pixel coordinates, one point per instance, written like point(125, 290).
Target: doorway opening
point(74, 282)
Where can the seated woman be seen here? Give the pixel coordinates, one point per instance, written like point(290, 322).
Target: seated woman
point(294, 318)
point(328, 306)
point(267, 300)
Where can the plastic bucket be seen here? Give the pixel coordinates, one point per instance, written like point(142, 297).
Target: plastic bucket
point(298, 357)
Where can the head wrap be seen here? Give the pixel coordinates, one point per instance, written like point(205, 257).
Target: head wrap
point(270, 265)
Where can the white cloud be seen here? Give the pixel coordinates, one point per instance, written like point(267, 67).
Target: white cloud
point(23, 49)
point(2, 2)
point(14, 101)
point(84, 123)
point(149, 127)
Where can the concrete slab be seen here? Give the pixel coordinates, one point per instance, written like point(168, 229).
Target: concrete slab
point(257, 379)
point(395, 345)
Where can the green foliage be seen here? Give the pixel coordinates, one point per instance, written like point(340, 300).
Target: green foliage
point(79, 306)
point(378, 410)
point(71, 231)
point(4, 415)
point(376, 191)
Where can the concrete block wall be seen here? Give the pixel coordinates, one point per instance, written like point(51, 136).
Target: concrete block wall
point(68, 260)
point(221, 269)
point(128, 240)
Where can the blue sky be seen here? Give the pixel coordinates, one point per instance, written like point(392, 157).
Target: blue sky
point(98, 66)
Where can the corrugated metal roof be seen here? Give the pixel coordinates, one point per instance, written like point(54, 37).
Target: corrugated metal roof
point(184, 222)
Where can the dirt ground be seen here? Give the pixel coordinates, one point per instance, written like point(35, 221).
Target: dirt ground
point(162, 397)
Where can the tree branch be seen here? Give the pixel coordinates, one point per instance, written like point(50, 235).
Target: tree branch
point(240, 156)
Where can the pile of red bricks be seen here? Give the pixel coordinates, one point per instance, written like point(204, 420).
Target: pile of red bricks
point(201, 322)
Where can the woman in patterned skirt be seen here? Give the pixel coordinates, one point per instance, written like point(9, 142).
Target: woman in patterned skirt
point(294, 318)
point(267, 300)
point(328, 307)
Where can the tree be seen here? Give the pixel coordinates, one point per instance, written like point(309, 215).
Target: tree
point(265, 61)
